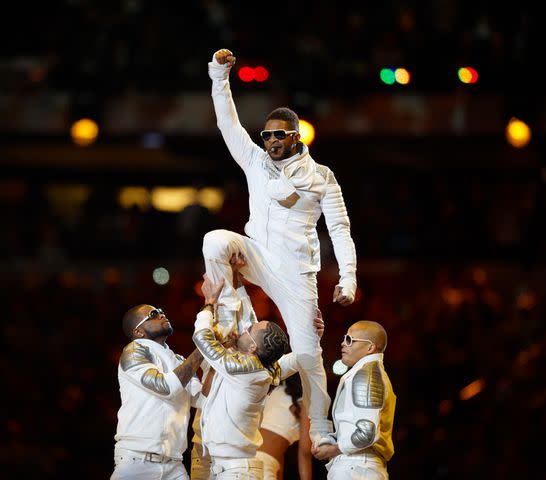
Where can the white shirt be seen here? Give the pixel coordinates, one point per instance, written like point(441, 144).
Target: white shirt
point(287, 230)
point(277, 415)
point(155, 407)
point(363, 410)
point(232, 412)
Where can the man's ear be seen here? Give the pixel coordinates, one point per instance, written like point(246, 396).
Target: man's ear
point(297, 137)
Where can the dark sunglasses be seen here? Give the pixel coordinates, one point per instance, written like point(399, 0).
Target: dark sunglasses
point(278, 134)
point(348, 340)
point(153, 314)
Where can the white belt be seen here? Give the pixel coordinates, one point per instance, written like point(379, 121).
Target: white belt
point(221, 465)
point(364, 457)
point(146, 456)
point(361, 458)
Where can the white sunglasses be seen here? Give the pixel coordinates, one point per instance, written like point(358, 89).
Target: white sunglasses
point(154, 313)
point(348, 340)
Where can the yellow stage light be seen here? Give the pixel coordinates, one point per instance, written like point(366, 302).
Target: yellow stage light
point(518, 133)
point(307, 132)
point(129, 197)
point(84, 132)
point(173, 199)
point(211, 198)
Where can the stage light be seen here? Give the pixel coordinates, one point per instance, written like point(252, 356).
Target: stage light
point(161, 276)
point(247, 74)
point(129, 197)
point(467, 75)
point(173, 199)
point(339, 368)
point(211, 198)
point(518, 133)
point(261, 74)
point(402, 76)
point(387, 76)
point(307, 132)
point(472, 389)
point(84, 132)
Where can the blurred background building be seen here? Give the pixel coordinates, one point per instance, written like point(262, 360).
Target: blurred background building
point(432, 116)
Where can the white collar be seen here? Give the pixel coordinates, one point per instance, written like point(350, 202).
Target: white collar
point(280, 164)
point(153, 343)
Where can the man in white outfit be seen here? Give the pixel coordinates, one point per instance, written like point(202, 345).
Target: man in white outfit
point(232, 410)
point(156, 387)
point(200, 461)
point(288, 192)
point(363, 409)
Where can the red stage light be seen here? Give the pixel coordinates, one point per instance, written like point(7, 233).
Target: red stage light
point(261, 74)
point(247, 74)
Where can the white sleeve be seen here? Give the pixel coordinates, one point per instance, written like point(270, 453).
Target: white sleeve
point(339, 228)
point(238, 141)
point(137, 365)
point(194, 389)
point(289, 365)
point(227, 362)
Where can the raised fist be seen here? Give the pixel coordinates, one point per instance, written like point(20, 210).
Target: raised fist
point(225, 57)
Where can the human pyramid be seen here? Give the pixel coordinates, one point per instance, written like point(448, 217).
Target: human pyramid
point(242, 358)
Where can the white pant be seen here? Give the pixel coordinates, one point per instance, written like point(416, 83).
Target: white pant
point(236, 468)
point(295, 295)
point(131, 468)
point(271, 465)
point(357, 467)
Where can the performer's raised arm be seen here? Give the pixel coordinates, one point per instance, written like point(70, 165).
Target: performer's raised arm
point(240, 145)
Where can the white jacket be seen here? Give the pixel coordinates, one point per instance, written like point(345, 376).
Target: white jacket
point(363, 410)
point(155, 407)
point(232, 412)
point(289, 232)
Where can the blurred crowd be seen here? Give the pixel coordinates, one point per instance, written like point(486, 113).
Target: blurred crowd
point(110, 47)
point(430, 215)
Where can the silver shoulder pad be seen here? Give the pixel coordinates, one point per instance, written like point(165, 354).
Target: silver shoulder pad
point(368, 387)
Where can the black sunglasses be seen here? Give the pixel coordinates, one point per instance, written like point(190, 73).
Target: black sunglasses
point(278, 134)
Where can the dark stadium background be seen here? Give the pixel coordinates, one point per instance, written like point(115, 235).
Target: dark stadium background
point(447, 216)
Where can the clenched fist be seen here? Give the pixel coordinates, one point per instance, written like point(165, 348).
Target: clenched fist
point(225, 57)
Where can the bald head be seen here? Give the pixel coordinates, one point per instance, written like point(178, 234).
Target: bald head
point(373, 331)
point(131, 319)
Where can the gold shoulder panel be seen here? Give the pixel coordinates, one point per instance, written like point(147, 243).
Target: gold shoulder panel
point(154, 380)
point(238, 363)
point(135, 354)
point(208, 345)
point(368, 387)
point(364, 434)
